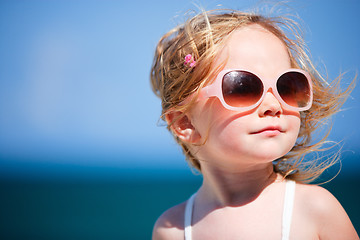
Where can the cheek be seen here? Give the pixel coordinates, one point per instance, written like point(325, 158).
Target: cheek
point(226, 125)
point(208, 115)
point(293, 130)
point(294, 124)
point(217, 126)
point(230, 138)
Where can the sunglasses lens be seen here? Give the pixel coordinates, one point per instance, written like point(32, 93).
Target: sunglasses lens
point(294, 89)
point(241, 88)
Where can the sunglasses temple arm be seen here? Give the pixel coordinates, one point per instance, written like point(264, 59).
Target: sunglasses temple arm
point(206, 92)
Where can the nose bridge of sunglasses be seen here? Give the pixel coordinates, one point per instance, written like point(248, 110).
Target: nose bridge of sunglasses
point(270, 93)
point(270, 89)
point(269, 86)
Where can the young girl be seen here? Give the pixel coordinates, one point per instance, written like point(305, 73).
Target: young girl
point(242, 99)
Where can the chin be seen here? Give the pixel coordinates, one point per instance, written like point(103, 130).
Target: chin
point(258, 156)
point(272, 155)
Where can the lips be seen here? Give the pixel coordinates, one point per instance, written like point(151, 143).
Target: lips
point(272, 130)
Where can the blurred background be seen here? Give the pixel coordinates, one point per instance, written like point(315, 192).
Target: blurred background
point(83, 154)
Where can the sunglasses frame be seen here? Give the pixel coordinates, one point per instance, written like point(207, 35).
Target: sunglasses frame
point(215, 90)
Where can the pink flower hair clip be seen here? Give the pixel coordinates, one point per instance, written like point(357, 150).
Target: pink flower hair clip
point(189, 61)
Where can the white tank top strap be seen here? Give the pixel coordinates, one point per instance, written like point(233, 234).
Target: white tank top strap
point(286, 219)
point(288, 208)
point(188, 217)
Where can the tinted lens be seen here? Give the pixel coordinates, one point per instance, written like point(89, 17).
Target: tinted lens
point(294, 89)
point(241, 88)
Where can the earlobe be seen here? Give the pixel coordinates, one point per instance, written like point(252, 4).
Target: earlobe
point(181, 126)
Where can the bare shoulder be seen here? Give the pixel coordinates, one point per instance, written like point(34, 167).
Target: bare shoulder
point(325, 211)
point(316, 198)
point(170, 225)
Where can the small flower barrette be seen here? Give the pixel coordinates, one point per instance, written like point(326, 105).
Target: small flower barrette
point(189, 61)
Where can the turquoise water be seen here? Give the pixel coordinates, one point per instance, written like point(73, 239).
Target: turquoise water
point(88, 207)
point(109, 207)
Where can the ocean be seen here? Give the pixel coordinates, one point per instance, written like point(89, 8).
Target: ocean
point(110, 206)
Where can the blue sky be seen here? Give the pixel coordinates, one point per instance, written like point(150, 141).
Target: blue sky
point(74, 78)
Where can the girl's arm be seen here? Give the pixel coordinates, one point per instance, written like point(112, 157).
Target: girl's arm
point(329, 216)
point(170, 225)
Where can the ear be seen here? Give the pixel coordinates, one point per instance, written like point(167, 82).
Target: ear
point(181, 125)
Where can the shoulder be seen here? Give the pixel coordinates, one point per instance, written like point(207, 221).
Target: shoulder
point(315, 197)
point(325, 212)
point(170, 225)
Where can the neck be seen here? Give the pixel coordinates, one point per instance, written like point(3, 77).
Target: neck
point(233, 188)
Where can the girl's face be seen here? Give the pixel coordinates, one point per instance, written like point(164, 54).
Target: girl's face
point(260, 135)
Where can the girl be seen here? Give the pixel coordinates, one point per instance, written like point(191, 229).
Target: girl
point(242, 99)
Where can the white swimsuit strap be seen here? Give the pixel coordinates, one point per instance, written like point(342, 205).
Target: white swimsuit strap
point(288, 209)
point(286, 219)
point(188, 217)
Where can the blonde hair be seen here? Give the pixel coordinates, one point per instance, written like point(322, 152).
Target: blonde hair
point(203, 36)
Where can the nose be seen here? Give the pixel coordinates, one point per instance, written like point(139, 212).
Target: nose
point(270, 106)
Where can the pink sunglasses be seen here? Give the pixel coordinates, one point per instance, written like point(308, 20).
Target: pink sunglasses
point(241, 90)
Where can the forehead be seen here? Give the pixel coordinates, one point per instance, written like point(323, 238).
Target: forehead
point(256, 49)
